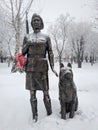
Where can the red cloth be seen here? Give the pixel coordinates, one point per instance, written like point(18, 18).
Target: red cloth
point(20, 60)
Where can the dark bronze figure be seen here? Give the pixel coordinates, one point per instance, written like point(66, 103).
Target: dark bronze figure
point(36, 46)
point(67, 92)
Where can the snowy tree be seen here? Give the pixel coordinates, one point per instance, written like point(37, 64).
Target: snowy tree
point(15, 12)
point(3, 47)
point(7, 42)
point(58, 32)
point(91, 49)
point(77, 38)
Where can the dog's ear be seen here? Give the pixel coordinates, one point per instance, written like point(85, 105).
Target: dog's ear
point(61, 65)
point(69, 65)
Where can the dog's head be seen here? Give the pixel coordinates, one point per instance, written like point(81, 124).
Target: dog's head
point(66, 73)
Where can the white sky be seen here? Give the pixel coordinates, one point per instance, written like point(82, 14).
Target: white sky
point(51, 9)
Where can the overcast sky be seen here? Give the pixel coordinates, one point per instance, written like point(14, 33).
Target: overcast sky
point(51, 9)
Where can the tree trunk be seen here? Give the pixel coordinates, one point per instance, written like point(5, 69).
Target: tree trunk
point(79, 61)
point(18, 35)
point(17, 43)
point(60, 61)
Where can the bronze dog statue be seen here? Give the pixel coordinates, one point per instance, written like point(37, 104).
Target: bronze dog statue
point(67, 92)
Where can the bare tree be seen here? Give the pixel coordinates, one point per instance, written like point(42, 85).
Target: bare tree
point(58, 31)
point(15, 12)
point(79, 50)
point(78, 40)
point(92, 47)
point(2, 36)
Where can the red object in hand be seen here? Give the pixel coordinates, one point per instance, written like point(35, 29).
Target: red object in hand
point(21, 60)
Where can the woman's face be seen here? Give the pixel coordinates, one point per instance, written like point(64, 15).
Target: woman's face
point(36, 23)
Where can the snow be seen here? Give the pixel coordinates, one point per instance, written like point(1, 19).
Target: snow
point(15, 109)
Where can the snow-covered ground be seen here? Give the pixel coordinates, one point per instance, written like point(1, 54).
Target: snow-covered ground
point(15, 109)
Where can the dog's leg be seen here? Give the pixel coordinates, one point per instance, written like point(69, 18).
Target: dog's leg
point(76, 104)
point(72, 109)
point(63, 109)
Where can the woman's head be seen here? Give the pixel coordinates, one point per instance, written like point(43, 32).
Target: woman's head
point(37, 22)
